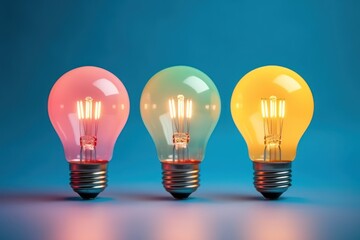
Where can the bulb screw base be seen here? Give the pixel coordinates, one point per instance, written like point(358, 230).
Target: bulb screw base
point(88, 179)
point(272, 179)
point(180, 179)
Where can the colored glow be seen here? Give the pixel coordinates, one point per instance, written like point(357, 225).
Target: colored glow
point(180, 125)
point(272, 107)
point(83, 109)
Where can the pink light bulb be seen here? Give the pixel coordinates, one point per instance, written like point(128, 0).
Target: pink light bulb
point(88, 107)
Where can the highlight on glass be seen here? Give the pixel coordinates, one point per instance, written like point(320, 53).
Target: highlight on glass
point(272, 106)
point(180, 107)
point(88, 107)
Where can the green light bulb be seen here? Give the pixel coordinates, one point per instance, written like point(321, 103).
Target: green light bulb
point(180, 107)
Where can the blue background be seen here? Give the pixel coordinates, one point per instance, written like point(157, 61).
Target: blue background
point(41, 40)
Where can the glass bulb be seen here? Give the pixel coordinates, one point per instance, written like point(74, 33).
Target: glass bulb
point(272, 106)
point(88, 107)
point(180, 107)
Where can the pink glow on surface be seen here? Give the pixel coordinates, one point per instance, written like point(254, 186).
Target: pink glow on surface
point(65, 110)
point(84, 223)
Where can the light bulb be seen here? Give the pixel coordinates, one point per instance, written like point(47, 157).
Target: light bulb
point(180, 107)
point(272, 106)
point(88, 107)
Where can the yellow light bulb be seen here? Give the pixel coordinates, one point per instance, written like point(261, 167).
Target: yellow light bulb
point(272, 106)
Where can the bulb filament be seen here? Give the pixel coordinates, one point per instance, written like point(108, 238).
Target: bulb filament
point(273, 113)
point(180, 110)
point(89, 113)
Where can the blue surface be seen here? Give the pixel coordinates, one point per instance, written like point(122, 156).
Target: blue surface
point(41, 40)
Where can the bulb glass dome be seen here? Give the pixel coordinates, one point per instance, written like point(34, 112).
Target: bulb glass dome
point(88, 107)
point(272, 107)
point(180, 107)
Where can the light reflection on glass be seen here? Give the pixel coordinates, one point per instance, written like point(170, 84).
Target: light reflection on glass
point(287, 82)
point(197, 84)
point(106, 86)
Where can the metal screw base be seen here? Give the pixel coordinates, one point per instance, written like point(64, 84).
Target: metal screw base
point(272, 179)
point(88, 179)
point(180, 179)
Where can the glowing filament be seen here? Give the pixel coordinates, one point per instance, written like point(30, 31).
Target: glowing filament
point(281, 108)
point(90, 111)
point(88, 115)
point(97, 110)
point(273, 114)
point(188, 108)
point(180, 110)
point(172, 108)
point(275, 106)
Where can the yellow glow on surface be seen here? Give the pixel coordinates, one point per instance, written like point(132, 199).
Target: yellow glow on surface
point(277, 93)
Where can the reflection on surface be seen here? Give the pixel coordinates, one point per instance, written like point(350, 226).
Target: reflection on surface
point(151, 215)
point(88, 222)
point(277, 223)
point(182, 222)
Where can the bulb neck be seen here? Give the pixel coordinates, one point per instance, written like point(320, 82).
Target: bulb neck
point(88, 179)
point(272, 179)
point(180, 179)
